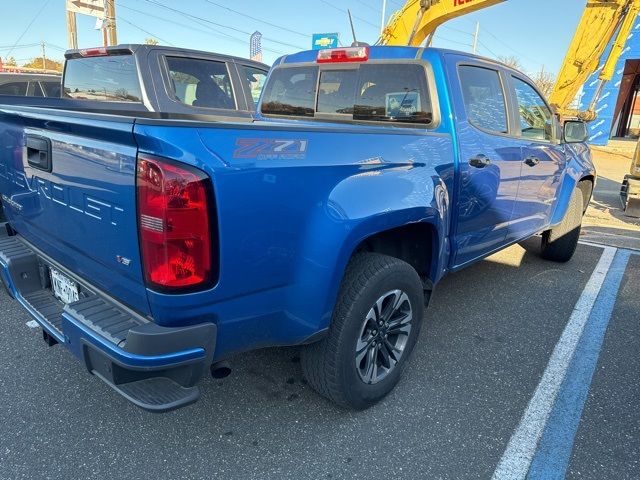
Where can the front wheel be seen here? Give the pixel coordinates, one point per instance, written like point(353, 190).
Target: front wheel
point(559, 244)
point(376, 323)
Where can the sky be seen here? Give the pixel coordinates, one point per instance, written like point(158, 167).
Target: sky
point(538, 32)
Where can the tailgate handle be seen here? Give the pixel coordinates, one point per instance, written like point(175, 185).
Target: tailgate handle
point(39, 152)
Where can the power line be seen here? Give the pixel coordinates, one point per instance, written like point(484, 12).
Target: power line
point(377, 10)
point(440, 37)
point(209, 29)
point(145, 31)
point(154, 2)
point(510, 47)
point(399, 4)
point(306, 35)
point(354, 16)
point(457, 30)
point(56, 47)
point(29, 25)
point(172, 21)
point(14, 47)
point(488, 49)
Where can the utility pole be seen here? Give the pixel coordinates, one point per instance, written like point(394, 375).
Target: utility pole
point(72, 31)
point(111, 21)
point(44, 57)
point(475, 38)
point(384, 16)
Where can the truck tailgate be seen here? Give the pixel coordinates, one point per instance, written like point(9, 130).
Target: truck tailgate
point(68, 186)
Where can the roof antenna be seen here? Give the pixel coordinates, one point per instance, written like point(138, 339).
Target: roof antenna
point(355, 43)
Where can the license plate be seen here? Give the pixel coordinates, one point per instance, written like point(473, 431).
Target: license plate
point(64, 289)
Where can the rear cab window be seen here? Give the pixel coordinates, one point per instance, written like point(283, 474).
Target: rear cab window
point(201, 83)
point(108, 78)
point(381, 92)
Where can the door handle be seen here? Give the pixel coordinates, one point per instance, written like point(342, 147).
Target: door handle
point(532, 161)
point(39, 152)
point(479, 161)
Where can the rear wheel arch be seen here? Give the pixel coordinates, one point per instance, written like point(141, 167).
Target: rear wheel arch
point(414, 243)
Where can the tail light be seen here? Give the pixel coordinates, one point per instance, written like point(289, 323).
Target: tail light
point(175, 231)
point(341, 55)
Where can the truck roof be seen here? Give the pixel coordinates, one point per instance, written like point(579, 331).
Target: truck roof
point(142, 49)
point(380, 52)
point(28, 76)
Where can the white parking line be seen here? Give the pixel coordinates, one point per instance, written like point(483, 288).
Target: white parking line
point(602, 245)
point(516, 460)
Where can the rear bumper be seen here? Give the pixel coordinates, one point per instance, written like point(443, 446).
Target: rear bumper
point(154, 367)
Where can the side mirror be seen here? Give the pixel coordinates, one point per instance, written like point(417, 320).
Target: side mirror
point(575, 131)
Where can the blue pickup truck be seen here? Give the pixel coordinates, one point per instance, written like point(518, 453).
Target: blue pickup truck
point(156, 245)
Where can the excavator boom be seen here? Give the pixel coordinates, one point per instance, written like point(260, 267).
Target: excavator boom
point(418, 19)
point(601, 21)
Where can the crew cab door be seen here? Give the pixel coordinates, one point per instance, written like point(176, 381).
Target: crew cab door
point(490, 160)
point(543, 160)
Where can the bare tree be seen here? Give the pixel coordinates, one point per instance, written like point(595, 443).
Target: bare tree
point(511, 61)
point(545, 81)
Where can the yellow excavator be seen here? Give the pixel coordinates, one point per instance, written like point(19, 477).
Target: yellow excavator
point(602, 22)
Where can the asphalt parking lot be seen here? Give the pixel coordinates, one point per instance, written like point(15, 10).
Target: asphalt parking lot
point(466, 407)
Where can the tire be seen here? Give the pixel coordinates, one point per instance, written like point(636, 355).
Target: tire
point(559, 244)
point(372, 283)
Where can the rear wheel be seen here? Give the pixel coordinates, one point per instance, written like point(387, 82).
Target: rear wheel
point(559, 244)
point(375, 326)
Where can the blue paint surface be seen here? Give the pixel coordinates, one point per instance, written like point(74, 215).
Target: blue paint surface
point(294, 198)
point(555, 447)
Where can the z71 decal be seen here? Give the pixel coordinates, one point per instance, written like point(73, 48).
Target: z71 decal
point(270, 149)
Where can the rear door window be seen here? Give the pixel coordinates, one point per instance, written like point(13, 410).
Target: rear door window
point(483, 97)
point(110, 78)
point(14, 88)
point(372, 92)
point(255, 78)
point(51, 89)
point(35, 89)
point(201, 83)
